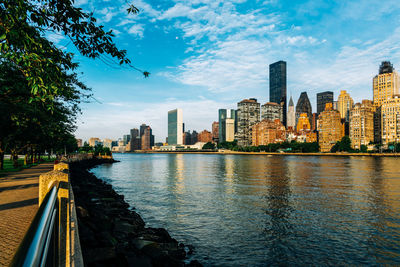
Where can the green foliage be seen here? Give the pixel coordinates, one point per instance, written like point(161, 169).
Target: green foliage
point(39, 88)
point(228, 145)
point(343, 145)
point(209, 145)
point(364, 149)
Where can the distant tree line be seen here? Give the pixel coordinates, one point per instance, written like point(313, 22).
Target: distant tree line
point(40, 91)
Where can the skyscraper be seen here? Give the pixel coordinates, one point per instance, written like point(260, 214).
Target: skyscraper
point(391, 120)
point(215, 131)
point(277, 86)
point(345, 104)
point(146, 138)
point(248, 114)
point(135, 142)
point(271, 111)
point(303, 106)
point(330, 128)
point(322, 99)
point(175, 127)
point(226, 116)
point(386, 84)
point(362, 124)
point(291, 115)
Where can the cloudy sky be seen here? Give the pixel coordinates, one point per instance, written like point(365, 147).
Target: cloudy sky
point(209, 54)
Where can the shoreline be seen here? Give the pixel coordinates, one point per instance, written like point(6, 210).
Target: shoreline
point(112, 233)
point(267, 153)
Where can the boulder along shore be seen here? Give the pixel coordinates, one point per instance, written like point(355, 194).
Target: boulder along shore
point(112, 233)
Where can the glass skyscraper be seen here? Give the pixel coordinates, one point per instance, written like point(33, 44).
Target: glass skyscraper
point(277, 86)
point(175, 127)
point(322, 99)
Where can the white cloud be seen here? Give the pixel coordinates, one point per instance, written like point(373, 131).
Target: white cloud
point(137, 30)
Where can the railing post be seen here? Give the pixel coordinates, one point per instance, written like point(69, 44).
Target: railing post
point(46, 181)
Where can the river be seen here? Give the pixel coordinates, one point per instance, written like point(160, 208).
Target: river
point(258, 210)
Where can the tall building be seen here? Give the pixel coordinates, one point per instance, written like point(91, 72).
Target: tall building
point(291, 115)
point(322, 99)
point(146, 139)
point(303, 124)
point(362, 124)
point(248, 114)
point(79, 142)
point(303, 106)
point(330, 128)
point(93, 141)
point(267, 132)
point(126, 138)
point(226, 132)
point(204, 136)
point(345, 104)
point(136, 141)
point(385, 84)
point(391, 120)
point(314, 120)
point(277, 86)
point(107, 143)
point(215, 131)
point(271, 111)
point(175, 127)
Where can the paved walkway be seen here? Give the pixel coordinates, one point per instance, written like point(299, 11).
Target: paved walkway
point(19, 193)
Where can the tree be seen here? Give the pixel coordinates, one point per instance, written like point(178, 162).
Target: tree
point(39, 89)
point(344, 145)
point(209, 145)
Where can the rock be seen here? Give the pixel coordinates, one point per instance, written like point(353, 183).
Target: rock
point(124, 227)
point(140, 243)
point(82, 212)
point(98, 254)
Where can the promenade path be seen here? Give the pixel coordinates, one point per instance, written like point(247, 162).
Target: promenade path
point(19, 193)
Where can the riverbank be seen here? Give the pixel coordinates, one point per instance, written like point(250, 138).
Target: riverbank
point(229, 152)
point(112, 233)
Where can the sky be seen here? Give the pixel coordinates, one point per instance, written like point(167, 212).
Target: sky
point(204, 55)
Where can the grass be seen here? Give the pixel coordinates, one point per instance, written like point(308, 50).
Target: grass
point(8, 164)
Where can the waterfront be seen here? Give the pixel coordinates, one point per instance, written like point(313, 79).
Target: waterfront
point(262, 210)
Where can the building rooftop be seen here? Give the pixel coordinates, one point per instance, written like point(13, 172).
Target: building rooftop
point(251, 100)
point(271, 104)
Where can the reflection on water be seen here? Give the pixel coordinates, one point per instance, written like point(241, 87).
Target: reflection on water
point(260, 210)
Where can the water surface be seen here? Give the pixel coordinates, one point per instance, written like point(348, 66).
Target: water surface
point(268, 210)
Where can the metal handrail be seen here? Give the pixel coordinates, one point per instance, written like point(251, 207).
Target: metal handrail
point(42, 234)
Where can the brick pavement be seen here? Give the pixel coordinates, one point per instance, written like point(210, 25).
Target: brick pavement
point(19, 193)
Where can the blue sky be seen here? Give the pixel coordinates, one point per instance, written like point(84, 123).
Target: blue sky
point(208, 54)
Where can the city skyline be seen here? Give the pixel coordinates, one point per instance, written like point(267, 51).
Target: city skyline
point(196, 72)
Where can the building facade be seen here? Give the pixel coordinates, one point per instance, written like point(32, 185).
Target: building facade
point(204, 136)
point(303, 106)
point(175, 127)
point(271, 111)
point(225, 131)
point(267, 132)
point(345, 104)
point(79, 142)
point(303, 124)
point(322, 99)
point(278, 87)
point(93, 141)
point(390, 111)
point(146, 138)
point(291, 115)
point(362, 124)
point(248, 114)
point(385, 84)
point(330, 128)
point(215, 131)
point(136, 142)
